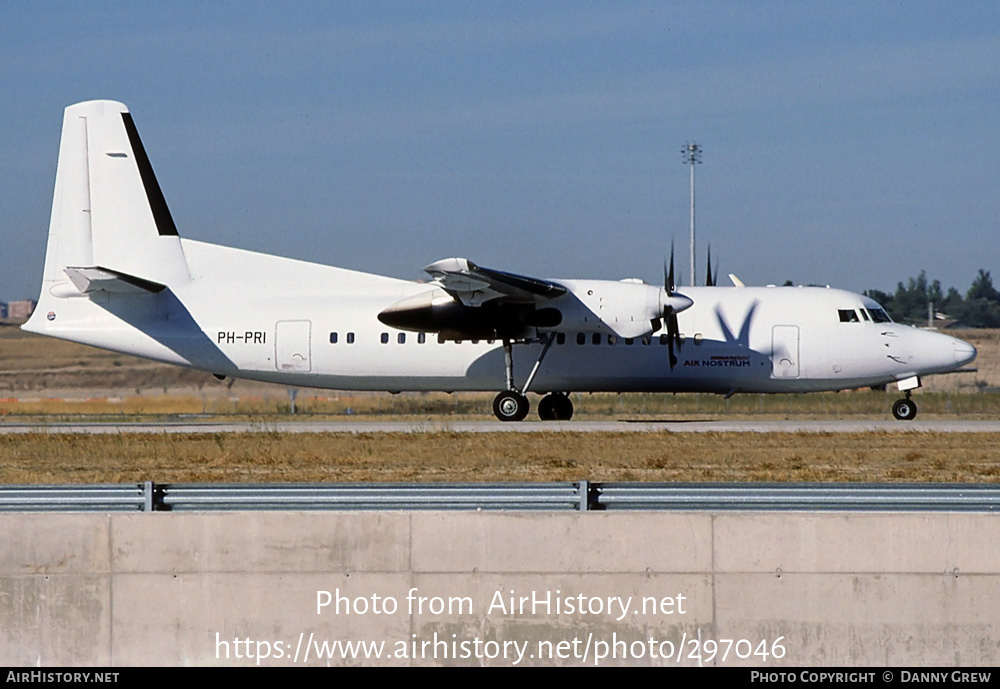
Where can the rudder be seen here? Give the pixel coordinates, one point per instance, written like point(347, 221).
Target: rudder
point(108, 212)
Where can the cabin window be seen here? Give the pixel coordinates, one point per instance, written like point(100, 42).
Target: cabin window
point(421, 338)
point(401, 338)
point(350, 338)
point(560, 338)
point(629, 340)
point(440, 338)
point(581, 338)
point(596, 339)
point(612, 339)
point(663, 339)
point(848, 316)
point(646, 339)
point(333, 338)
point(385, 338)
point(474, 341)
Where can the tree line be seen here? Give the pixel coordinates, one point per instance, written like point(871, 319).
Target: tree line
point(978, 308)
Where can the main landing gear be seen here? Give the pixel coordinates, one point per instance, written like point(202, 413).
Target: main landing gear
point(512, 404)
point(555, 407)
point(905, 409)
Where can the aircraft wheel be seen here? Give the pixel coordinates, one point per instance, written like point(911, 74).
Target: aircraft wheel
point(547, 408)
point(565, 408)
point(510, 406)
point(555, 407)
point(904, 410)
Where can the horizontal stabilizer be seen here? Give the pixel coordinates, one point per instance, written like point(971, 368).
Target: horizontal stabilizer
point(103, 279)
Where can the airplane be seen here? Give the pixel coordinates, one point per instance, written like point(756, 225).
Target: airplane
point(119, 276)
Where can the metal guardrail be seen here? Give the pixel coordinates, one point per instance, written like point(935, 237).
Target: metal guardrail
point(866, 497)
point(578, 496)
point(375, 496)
point(100, 497)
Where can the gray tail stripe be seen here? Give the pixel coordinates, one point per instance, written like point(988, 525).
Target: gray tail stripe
point(158, 204)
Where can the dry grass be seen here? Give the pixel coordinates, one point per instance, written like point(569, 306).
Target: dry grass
point(443, 456)
point(468, 406)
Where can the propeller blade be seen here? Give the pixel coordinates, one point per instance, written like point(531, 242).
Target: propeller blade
point(671, 305)
point(669, 283)
point(672, 337)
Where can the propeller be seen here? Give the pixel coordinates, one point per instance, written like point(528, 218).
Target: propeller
point(711, 279)
point(674, 304)
point(671, 303)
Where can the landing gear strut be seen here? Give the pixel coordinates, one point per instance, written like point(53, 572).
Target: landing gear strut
point(905, 409)
point(512, 404)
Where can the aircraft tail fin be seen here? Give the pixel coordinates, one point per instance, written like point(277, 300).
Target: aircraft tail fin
point(111, 230)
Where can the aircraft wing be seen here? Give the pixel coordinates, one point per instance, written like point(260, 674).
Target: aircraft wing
point(468, 301)
point(474, 285)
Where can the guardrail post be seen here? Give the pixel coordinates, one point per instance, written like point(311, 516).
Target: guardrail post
point(147, 496)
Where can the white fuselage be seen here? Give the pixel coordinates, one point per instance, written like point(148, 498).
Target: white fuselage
point(262, 317)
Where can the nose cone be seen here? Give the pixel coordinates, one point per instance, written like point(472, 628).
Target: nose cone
point(964, 353)
point(934, 352)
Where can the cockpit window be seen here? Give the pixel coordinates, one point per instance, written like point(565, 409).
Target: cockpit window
point(864, 314)
point(848, 316)
point(879, 315)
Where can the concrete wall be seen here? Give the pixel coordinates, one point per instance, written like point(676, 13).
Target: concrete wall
point(188, 589)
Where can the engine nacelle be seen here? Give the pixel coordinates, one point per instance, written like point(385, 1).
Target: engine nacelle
point(436, 311)
point(626, 308)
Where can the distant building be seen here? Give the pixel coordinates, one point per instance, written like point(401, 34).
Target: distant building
point(20, 310)
point(951, 324)
point(3, 309)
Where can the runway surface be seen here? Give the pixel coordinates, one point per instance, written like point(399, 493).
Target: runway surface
point(435, 425)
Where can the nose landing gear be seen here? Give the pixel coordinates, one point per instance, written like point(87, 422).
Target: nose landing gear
point(904, 409)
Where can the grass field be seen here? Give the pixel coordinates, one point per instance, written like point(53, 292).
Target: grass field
point(444, 456)
point(474, 406)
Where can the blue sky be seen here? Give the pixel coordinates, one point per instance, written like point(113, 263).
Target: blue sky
point(849, 143)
